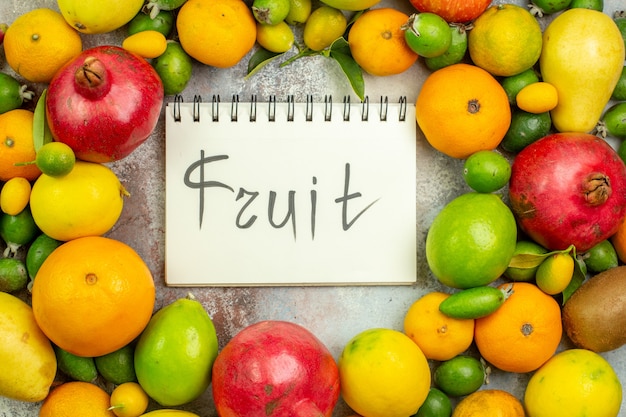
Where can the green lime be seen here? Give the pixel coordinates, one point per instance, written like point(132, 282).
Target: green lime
point(13, 275)
point(460, 375)
point(163, 22)
point(270, 12)
point(455, 52)
point(525, 129)
point(18, 230)
point(619, 92)
point(543, 7)
point(513, 84)
point(601, 257)
point(78, 368)
point(12, 94)
point(427, 34)
point(471, 240)
point(118, 366)
point(614, 120)
point(55, 159)
point(299, 11)
point(525, 251)
point(486, 171)
point(620, 20)
point(174, 67)
point(437, 404)
point(38, 251)
point(277, 38)
point(588, 4)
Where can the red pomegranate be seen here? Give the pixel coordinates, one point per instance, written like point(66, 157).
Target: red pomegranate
point(275, 368)
point(104, 103)
point(568, 189)
point(453, 11)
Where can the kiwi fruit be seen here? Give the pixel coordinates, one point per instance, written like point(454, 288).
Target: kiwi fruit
point(594, 317)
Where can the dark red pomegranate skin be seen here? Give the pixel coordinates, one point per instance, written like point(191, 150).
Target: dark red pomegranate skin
point(104, 103)
point(275, 368)
point(568, 189)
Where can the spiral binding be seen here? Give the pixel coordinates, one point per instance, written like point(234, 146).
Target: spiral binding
point(328, 106)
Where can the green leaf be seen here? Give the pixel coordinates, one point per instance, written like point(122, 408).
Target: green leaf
point(301, 53)
point(340, 52)
point(532, 260)
point(577, 280)
point(259, 59)
point(41, 130)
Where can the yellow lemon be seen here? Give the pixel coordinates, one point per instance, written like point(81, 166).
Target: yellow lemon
point(506, 40)
point(38, 43)
point(537, 97)
point(383, 373)
point(574, 382)
point(14, 195)
point(86, 202)
point(99, 16)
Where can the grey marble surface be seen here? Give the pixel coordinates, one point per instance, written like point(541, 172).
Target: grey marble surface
point(333, 314)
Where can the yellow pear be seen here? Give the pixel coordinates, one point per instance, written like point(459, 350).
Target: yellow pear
point(583, 57)
point(27, 362)
point(98, 16)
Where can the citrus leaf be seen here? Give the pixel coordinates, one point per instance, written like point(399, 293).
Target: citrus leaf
point(259, 59)
point(532, 260)
point(41, 130)
point(340, 52)
point(577, 280)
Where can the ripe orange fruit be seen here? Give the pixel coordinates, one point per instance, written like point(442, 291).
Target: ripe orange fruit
point(377, 42)
point(619, 241)
point(38, 43)
point(489, 402)
point(217, 32)
point(439, 337)
point(462, 109)
point(93, 295)
point(17, 146)
point(76, 398)
point(523, 333)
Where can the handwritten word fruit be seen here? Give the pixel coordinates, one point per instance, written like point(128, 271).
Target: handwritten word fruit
point(476, 302)
point(175, 353)
point(99, 16)
point(593, 317)
point(439, 337)
point(275, 368)
point(383, 374)
point(489, 402)
point(377, 42)
point(28, 363)
point(574, 380)
point(86, 202)
point(104, 103)
point(582, 56)
point(462, 109)
point(581, 198)
point(453, 11)
point(506, 40)
point(528, 323)
point(93, 295)
point(77, 398)
point(216, 33)
point(471, 240)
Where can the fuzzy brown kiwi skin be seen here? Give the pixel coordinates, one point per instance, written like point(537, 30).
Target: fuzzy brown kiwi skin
point(594, 317)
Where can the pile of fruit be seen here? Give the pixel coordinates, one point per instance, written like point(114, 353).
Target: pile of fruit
point(529, 262)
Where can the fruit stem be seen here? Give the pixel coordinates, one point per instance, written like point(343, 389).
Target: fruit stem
point(91, 78)
point(596, 188)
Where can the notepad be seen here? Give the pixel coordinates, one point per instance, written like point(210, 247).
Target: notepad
point(266, 193)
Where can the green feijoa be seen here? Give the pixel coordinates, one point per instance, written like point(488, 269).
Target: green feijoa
point(621, 150)
point(460, 375)
point(12, 93)
point(543, 7)
point(118, 366)
point(601, 257)
point(614, 120)
point(527, 256)
point(455, 52)
point(38, 251)
point(619, 92)
point(18, 230)
point(525, 129)
point(437, 404)
point(13, 275)
point(515, 83)
point(474, 303)
point(619, 18)
point(486, 171)
point(588, 4)
point(427, 34)
point(78, 368)
point(158, 5)
point(174, 67)
point(163, 22)
point(270, 12)
point(299, 11)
